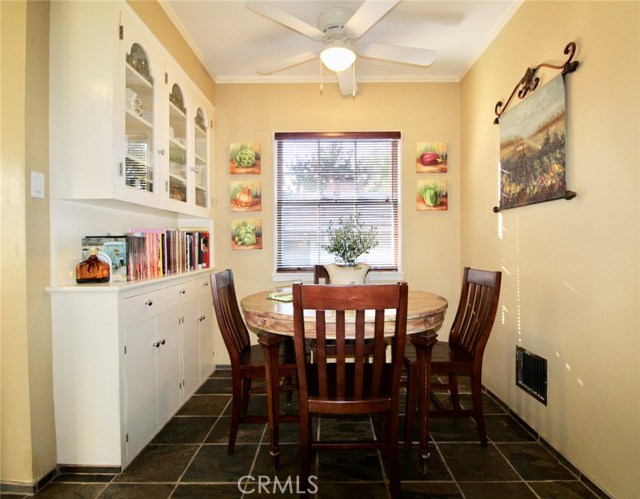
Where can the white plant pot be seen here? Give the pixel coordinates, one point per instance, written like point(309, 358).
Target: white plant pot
point(354, 274)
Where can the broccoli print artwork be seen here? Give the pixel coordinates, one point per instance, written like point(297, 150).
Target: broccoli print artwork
point(532, 148)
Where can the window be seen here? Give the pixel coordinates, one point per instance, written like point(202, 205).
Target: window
point(325, 176)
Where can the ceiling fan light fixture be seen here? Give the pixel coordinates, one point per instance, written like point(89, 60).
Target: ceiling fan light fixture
point(338, 56)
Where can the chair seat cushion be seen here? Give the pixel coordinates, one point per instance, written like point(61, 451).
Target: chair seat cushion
point(444, 359)
point(253, 358)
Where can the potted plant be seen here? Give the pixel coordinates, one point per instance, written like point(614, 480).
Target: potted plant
point(348, 240)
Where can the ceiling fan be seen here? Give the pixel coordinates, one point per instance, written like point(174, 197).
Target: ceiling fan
point(338, 28)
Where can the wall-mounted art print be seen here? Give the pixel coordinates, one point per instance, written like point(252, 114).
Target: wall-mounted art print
point(431, 157)
point(244, 158)
point(245, 195)
point(246, 234)
point(432, 195)
point(532, 148)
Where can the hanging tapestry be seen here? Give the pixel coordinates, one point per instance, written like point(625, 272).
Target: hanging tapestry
point(532, 148)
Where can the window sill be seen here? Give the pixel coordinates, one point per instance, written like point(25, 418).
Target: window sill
point(286, 279)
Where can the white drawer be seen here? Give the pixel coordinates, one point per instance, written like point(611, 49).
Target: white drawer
point(202, 286)
point(179, 293)
point(144, 305)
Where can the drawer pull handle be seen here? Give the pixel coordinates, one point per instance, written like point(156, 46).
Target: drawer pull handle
point(201, 318)
point(149, 302)
point(158, 343)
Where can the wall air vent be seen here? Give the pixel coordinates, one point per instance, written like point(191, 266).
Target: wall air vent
point(531, 374)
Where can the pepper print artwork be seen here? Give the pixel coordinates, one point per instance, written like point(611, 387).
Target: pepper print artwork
point(432, 195)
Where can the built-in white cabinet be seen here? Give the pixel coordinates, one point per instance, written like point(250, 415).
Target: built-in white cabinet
point(127, 123)
point(125, 358)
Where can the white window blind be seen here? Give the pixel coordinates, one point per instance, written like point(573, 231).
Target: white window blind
point(324, 176)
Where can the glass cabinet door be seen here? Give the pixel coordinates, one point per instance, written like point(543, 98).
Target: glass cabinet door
point(177, 146)
point(139, 172)
point(201, 159)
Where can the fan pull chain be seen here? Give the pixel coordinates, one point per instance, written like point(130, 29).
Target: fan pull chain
point(321, 84)
point(353, 79)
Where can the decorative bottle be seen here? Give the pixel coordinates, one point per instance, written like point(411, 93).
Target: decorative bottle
point(93, 269)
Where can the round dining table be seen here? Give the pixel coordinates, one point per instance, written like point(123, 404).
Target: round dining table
point(272, 321)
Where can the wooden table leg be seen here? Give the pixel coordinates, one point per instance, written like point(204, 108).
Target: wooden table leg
point(271, 344)
point(423, 343)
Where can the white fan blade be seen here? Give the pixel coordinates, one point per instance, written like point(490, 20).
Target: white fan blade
point(369, 13)
point(348, 86)
point(407, 55)
point(281, 17)
point(286, 63)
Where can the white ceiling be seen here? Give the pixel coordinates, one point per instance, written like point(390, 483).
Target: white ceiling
point(233, 41)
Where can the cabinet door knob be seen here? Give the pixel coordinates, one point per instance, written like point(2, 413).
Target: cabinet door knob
point(162, 152)
point(201, 318)
point(148, 303)
point(183, 291)
point(205, 284)
point(195, 170)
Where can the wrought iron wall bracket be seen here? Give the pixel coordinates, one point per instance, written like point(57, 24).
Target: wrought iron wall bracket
point(529, 82)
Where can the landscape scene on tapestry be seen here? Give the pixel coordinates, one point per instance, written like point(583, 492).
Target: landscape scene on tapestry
point(532, 148)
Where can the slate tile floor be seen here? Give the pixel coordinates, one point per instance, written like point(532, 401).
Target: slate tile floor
point(188, 459)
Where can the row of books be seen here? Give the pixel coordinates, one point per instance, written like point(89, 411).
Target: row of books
point(151, 253)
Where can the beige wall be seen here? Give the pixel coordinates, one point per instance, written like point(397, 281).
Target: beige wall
point(26, 410)
point(252, 113)
point(570, 288)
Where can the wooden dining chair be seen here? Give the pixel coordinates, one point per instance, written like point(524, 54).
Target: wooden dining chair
point(462, 354)
point(340, 385)
point(247, 361)
point(320, 272)
point(321, 276)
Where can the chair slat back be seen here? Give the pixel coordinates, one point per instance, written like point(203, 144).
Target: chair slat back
point(340, 312)
point(232, 326)
point(320, 272)
point(476, 310)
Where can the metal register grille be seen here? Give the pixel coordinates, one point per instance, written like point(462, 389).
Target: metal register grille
point(531, 374)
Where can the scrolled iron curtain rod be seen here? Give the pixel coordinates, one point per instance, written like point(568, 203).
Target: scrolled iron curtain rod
point(529, 82)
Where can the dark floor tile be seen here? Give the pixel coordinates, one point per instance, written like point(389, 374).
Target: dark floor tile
point(430, 490)
point(158, 463)
point(137, 491)
point(503, 428)
point(289, 462)
point(533, 462)
point(83, 478)
point(496, 490)
point(213, 464)
point(206, 491)
point(473, 463)
point(562, 490)
point(185, 430)
point(346, 428)
point(205, 405)
point(70, 491)
point(451, 430)
point(363, 465)
point(221, 373)
point(216, 386)
point(327, 490)
point(247, 433)
point(410, 466)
